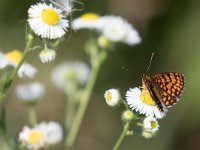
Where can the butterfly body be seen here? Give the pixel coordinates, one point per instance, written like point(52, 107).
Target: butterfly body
point(164, 88)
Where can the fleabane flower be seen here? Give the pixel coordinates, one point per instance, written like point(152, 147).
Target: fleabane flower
point(47, 21)
point(150, 124)
point(150, 127)
point(47, 55)
point(31, 92)
point(33, 139)
point(142, 102)
point(117, 29)
point(42, 135)
point(53, 132)
point(12, 58)
point(70, 71)
point(112, 97)
point(87, 21)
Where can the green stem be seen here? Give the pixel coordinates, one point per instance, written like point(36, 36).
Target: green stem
point(71, 103)
point(70, 110)
point(15, 71)
point(27, 49)
point(32, 116)
point(125, 104)
point(122, 136)
point(82, 108)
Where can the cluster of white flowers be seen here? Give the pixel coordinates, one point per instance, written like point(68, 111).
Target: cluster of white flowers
point(42, 135)
point(138, 100)
point(12, 58)
point(141, 102)
point(113, 28)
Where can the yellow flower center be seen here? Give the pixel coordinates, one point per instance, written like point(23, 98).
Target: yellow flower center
point(89, 17)
point(36, 137)
point(153, 124)
point(146, 98)
point(50, 17)
point(109, 96)
point(14, 56)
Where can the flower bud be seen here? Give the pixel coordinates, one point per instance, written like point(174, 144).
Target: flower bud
point(127, 116)
point(112, 97)
point(103, 42)
point(47, 55)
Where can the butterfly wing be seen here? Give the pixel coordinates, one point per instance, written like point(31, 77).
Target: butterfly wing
point(154, 92)
point(170, 86)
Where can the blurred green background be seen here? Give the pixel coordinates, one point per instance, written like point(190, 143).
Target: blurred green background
point(169, 28)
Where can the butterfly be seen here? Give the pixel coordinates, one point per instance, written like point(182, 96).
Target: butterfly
point(164, 88)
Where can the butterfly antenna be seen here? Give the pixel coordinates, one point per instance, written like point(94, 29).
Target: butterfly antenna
point(150, 62)
point(127, 69)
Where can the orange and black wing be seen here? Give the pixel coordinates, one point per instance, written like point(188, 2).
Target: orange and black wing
point(170, 86)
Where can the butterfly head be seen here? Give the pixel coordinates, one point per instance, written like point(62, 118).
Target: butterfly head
point(145, 81)
point(143, 76)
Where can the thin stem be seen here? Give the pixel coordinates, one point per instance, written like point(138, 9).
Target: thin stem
point(32, 116)
point(125, 104)
point(122, 136)
point(27, 49)
point(15, 71)
point(71, 103)
point(82, 108)
point(70, 110)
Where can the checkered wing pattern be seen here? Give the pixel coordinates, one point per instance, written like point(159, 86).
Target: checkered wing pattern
point(170, 86)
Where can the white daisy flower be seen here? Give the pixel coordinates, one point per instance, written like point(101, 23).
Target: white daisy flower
point(30, 92)
point(150, 124)
point(53, 132)
point(77, 71)
point(142, 102)
point(47, 55)
point(32, 138)
point(117, 29)
point(47, 21)
point(12, 58)
point(112, 97)
point(87, 21)
point(66, 5)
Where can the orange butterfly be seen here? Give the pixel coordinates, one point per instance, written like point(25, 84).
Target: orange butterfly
point(164, 88)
